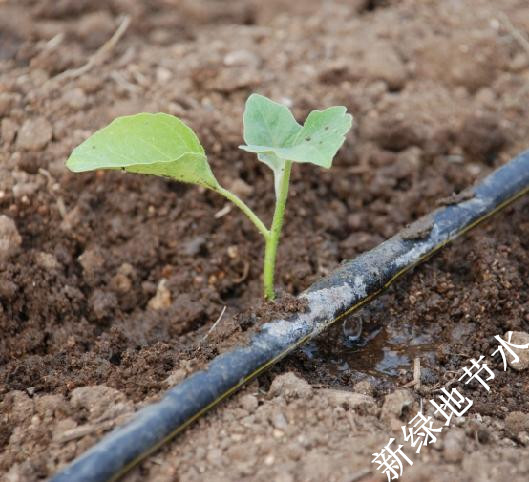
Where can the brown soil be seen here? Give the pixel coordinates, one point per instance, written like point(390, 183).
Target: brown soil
point(114, 279)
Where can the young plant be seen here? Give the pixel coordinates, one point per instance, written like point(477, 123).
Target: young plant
point(163, 145)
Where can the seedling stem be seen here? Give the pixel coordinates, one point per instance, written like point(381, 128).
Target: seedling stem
point(275, 233)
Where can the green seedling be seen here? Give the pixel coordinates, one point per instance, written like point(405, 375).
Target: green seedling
point(163, 145)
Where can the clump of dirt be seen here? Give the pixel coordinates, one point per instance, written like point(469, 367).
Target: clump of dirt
point(111, 281)
point(239, 329)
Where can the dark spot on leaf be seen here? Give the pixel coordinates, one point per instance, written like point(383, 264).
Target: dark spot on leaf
point(307, 139)
point(326, 128)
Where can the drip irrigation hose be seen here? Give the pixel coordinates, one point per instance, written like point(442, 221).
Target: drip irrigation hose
point(353, 284)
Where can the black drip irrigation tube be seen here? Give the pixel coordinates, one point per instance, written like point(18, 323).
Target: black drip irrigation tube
point(353, 284)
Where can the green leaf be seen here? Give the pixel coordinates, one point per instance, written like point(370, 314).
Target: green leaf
point(271, 131)
point(158, 144)
point(268, 123)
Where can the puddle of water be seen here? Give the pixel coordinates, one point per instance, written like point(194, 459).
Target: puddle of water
point(371, 343)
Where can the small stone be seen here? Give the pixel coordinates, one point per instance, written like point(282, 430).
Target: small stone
point(454, 445)
point(34, 135)
point(290, 386)
point(233, 252)
point(396, 403)
point(269, 460)
point(47, 261)
point(518, 338)
point(162, 298)
point(249, 402)
point(10, 240)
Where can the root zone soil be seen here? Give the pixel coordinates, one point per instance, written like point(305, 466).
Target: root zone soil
point(118, 278)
